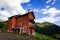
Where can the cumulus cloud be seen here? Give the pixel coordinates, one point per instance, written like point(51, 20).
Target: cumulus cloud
point(48, 6)
point(29, 5)
point(48, 1)
point(4, 13)
point(52, 11)
point(52, 1)
point(12, 7)
point(36, 10)
point(51, 17)
point(48, 19)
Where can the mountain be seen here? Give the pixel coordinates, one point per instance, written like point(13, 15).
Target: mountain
point(47, 28)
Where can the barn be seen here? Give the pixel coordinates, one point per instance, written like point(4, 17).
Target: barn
point(22, 23)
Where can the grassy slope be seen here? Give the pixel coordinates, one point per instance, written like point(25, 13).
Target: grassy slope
point(47, 31)
point(44, 37)
point(39, 36)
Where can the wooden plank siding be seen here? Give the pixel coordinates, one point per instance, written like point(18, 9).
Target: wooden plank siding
point(23, 23)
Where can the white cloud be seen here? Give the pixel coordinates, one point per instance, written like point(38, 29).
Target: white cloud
point(44, 11)
point(29, 5)
point(47, 6)
point(3, 18)
point(52, 1)
point(12, 7)
point(48, 1)
point(51, 17)
point(4, 13)
point(48, 19)
point(51, 11)
point(36, 10)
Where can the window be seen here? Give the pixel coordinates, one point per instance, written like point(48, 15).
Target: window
point(30, 18)
point(30, 25)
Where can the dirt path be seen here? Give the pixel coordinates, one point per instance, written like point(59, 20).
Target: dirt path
point(10, 36)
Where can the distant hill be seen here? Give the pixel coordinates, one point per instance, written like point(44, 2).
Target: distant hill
point(47, 29)
point(45, 24)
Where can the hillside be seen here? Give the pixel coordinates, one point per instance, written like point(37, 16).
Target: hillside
point(47, 28)
point(3, 25)
point(44, 37)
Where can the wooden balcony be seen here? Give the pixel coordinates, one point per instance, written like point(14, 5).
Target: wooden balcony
point(16, 28)
point(31, 20)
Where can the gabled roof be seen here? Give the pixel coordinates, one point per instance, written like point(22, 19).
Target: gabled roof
point(32, 13)
point(15, 16)
point(29, 13)
point(23, 15)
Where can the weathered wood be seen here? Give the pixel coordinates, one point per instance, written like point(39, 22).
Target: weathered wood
point(23, 22)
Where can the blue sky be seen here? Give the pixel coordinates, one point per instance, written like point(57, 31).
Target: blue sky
point(51, 15)
point(44, 10)
point(40, 4)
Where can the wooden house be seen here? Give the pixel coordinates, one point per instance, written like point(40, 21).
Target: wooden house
point(22, 23)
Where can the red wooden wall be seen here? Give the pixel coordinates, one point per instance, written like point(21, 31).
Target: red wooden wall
point(23, 22)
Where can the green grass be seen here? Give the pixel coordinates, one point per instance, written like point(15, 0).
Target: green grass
point(23, 34)
point(39, 36)
point(44, 37)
